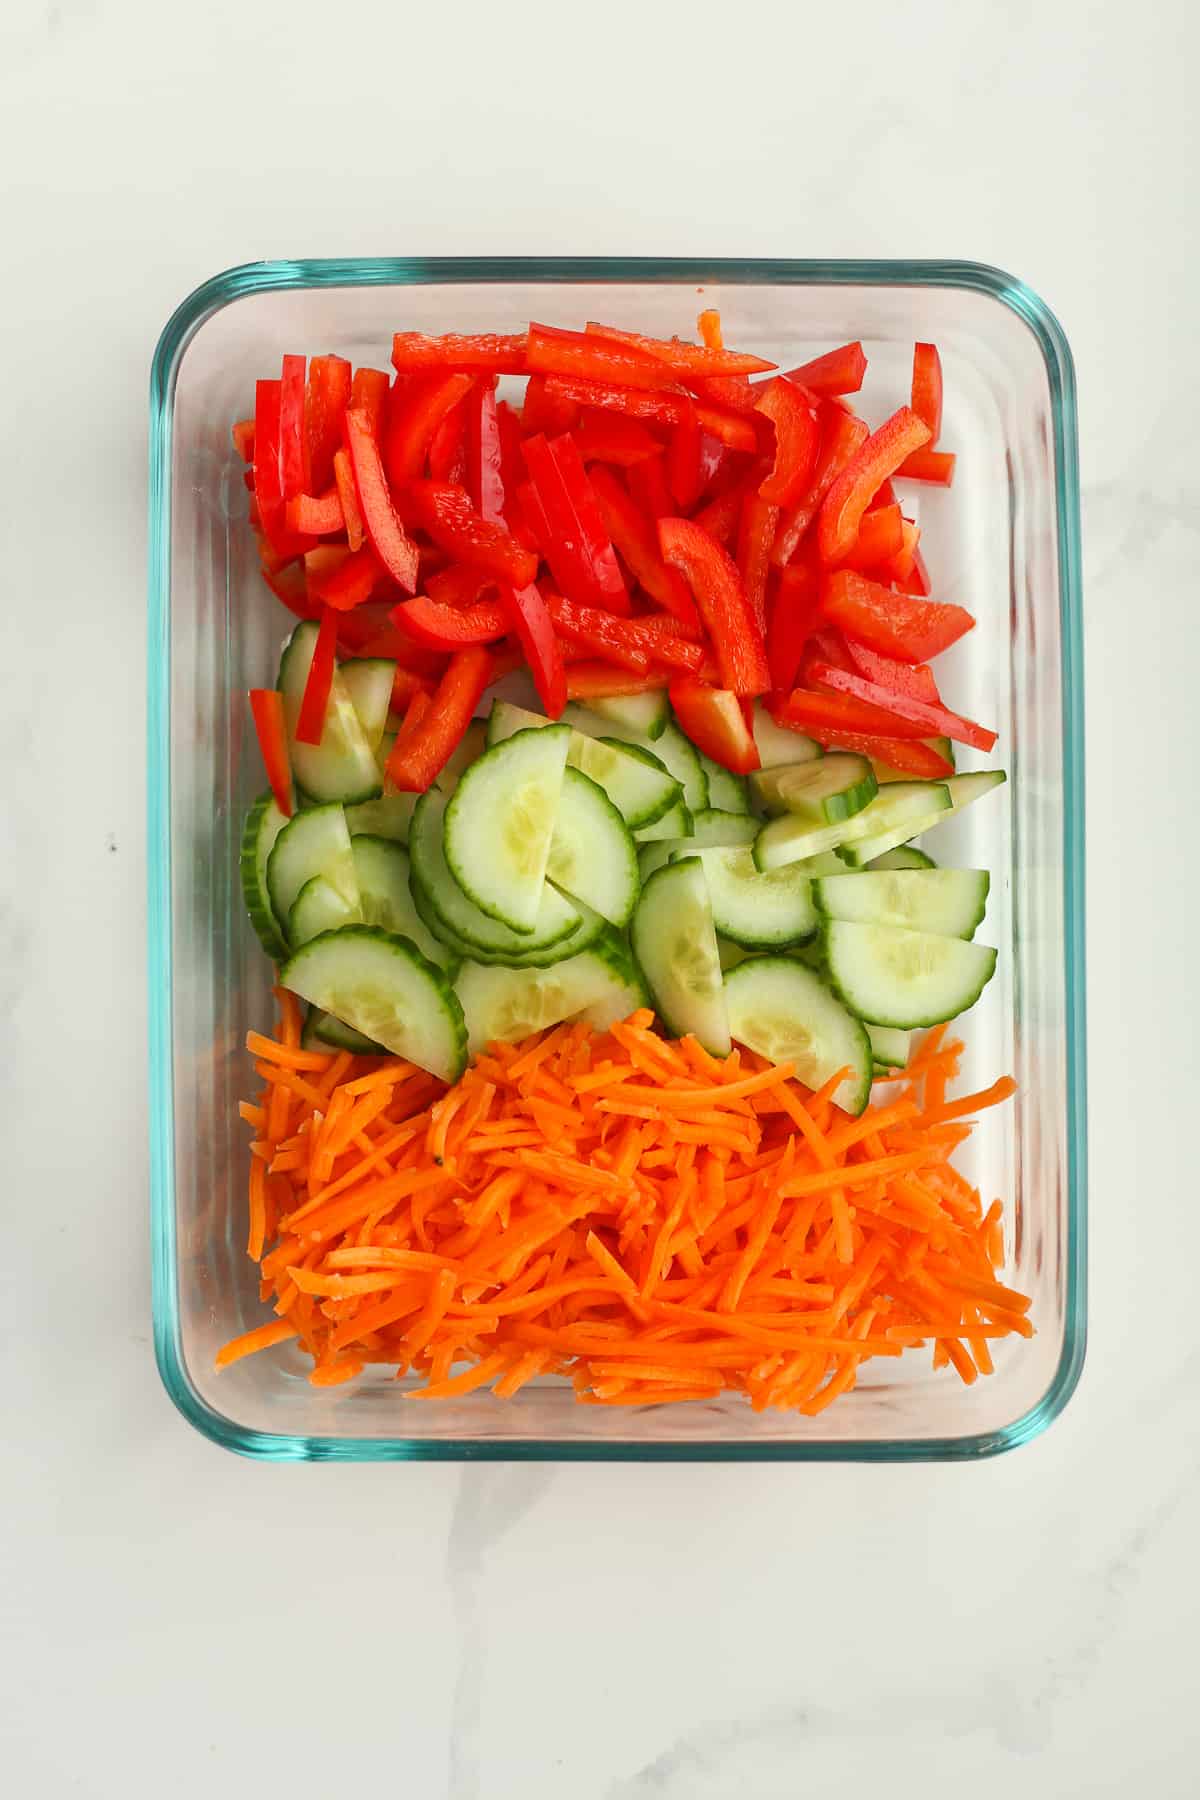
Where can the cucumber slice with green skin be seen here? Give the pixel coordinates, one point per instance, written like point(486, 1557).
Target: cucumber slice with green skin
point(682, 760)
point(592, 856)
point(727, 792)
point(389, 817)
point(898, 807)
point(716, 828)
point(963, 791)
point(678, 823)
point(656, 855)
point(731, 954)
point(500, 821)
point(675, 944)
point(824, 792)
point(778, 745)
point(383, 871)
point(460, 922)
point(368, 681)
point(903, 858)
point(508, 1005)
point(633, 778)
point(784, 1011)
point(889, 1047)
point(644, 715)
point(323, 1032)
point(591, 722)
point(626, 993)
point(319, 907)
point(590, 927)
point(828, 862)
point(342, 766)
point(762, 912)
point(905, 978)
point(264, 822)
point(312, 843)
point(383, 987)
point(949, 902)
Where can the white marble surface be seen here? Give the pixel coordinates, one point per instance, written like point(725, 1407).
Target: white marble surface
point(174, 1620)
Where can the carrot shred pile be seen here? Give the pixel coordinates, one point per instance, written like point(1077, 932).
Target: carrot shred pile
point(630, 1212)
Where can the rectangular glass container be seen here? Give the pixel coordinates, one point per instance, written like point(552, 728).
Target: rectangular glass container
point(1004, 542)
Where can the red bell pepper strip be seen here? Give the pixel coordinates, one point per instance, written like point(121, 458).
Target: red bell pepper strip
point(448, 446)
point(391, 543)
point(534, 526)
point(420, 705)
point(634, 535)
point(593, 356)
point(927, 387)
point(609, 438)
point(917, 580)
point(682, 358)
point(842, 434)
point(597, 681)
point(837, 372)
point(648, 486)
point(912, 756)
point(293, 439)
point(732, 393)
point(311, 720)
point(413, 419)
point(267, 706)
point(487, 352)
point(814, 713)
point(577, 547)
point(720, 467)
point(899, 567)
point(880, 536)
point(797, 439)
point(325, 403)
point(414, 764)
point(756, 534)
point(451, 521)
point(826, 647)
point(529, 618)
point(343, 475)
point(894, 624)
point(793, 616)
point(665, 408)
point(597, 633)
point(342, 578)
point(440, 627)
point(709, 327)
point(714, 721)
point(684, 474)
point(933, 466)
point(933, 721)
point(661, 638)
point(847, 500)
point(716, 586)
point(460, 585)
point(720, 518)
point(507, 658)
point(369, 394)
point(268, 474)
point(405, 684)
point(484, 455)
point(916, 679)
point(316, 515)
point(243, 439)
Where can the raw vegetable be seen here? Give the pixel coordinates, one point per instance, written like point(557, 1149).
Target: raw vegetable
point(676, 947)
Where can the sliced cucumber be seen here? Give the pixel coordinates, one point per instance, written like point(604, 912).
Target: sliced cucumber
point(657, 854)
point(714, 826)
point(676, 948)
point(784, 1011)
point(461, 924)
point(500, 821)
point(889, 1047)
point(727, 792)
point(950, 902)
point(903, 858)
point(731, 954)
point(315, 842)
point(626, 992)
point(677, 823)
point(759, 911)
point(323, 1032)
point(633, 778)
point(826, 862)
point(390, 816)
point(682, 760)
point(342, 766)
point(645, 715)
point(905, 978)
point(319, 907)
point(592, 856)
point(383, 987)
point(369, 681)
point(778, 744)
point(383, 871)
point(825, 792)
point(264, 822)
point(963, 791)
point(902, 804)
point(507, 1005)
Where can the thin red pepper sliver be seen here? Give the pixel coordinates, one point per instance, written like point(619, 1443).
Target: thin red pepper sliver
point(756, 534)
point(243, 439)
point(266, 704)
point(927, 388)
point(666, 408)
point(837, 372)
point(576, 544)
point(880, 537)
point(496, 355)
point(817, 712)
point(460, 585)
point(343, 475)
point(714, 721)
point(635, 536)
point(912, 756)
point(611, 438)
point(842, 434)
point(440, 627)
point(268, 474)
point(684, 359)
point(318, 515)
point(452, 522)
point(294, 464)
point(797, 441)
point(897, 677)
point(342, 578)
point(326, 399)
point(794, 616)
point(529, 618)
point(391, 543)
point(933, 721)
point(647, 483)
point(848, 498)
point(898, 625)
point(448, 446)
point(720, 597)
point(684, 472)
point(369, 394)
point(597, 633)
point(413, 765)
point(598, 681)
point(485, 476)
point(589, 356)
point(546, 413)
point(720, 518)
point(936, 467)
point(311, 720)
point(413, 418)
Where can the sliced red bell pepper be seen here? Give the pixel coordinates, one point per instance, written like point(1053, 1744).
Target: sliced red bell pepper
point(912, 756)
point(721, 517)
point(597, 633)
point(682, 358)
point(917, 580)
point(343, 475)
point(460, 585)
point(413, 419)
point(837, 372)
point(933, 721)
point(268, 474)
point(448, 445)
point(732, 393)
point(814, 713)
point(593, 356)
point(634, 535)
point(714, 721)
point(842, 435)
point(899, 567)
point(797, 439)
point(484, 453)
point(391, 543)
point(406, 683)
point(847, 500)
point(325, 403)
point(369, 394)
point(293, 439)
point(597, 681)
point(546, 412)
point(793, 616)
point(577, 546)
point(665, 408)
point(531, 526)
point(880, 536)
point(451, 521)
point(496, 355)
point(267, 706)
point(894, 624)
point(311, 720)
point(825, 647)
point(684, 473)
point(933, 466)
point(884, 495)
point(440, 627)
point(507, 658)
point(720, 467)
point(927, 387)
point(915, 679)
point(660, 636)
point(243, 439)
point(709, 327)
point(529, 618)
point(648, 486)
point(414, 764)
point(420, 705)
point(756, 534)
point(720, 597)
point(609, 438)
point(317, 515)
point(342, 578)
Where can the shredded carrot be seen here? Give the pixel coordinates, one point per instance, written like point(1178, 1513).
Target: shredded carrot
point(654, 1223)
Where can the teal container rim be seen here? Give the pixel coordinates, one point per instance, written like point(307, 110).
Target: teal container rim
point(267, 277)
